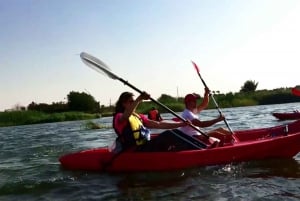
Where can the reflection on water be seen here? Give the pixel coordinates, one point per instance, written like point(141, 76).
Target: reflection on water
point(29, 167)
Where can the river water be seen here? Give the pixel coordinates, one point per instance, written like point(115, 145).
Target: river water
point(30, 170)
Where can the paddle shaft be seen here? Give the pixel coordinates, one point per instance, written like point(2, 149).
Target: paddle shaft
point(214, 100)
point(162, 105)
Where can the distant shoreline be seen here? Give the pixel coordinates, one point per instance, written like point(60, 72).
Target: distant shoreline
point(17, 118)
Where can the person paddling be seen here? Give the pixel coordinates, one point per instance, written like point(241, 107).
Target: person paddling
point(154, 114)
point(191, 113)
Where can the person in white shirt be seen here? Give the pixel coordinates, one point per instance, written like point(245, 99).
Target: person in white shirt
point(191, 113)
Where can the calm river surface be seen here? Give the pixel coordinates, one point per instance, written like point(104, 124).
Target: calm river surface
point(29, 167)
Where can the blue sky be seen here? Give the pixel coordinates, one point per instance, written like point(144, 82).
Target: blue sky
point(148, 43)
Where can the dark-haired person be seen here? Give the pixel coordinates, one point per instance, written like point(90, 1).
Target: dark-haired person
point(154, 114)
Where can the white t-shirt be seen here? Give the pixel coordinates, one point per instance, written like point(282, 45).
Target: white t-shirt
point(189, 115)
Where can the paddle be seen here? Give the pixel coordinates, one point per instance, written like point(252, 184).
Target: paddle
point(212, 96)
point(295, 91)
point(101, 67)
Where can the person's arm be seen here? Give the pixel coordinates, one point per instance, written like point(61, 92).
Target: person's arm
point(204, 102)
point(164, 125)
point(208, 123)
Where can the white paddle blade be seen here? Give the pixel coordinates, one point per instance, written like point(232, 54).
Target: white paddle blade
point(97, 64)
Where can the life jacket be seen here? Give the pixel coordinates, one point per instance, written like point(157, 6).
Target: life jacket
point(134, 133)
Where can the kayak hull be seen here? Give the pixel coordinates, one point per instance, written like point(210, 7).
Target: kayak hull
point(287, 116)
point(255, 144)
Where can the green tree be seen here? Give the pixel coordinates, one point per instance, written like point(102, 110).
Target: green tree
point(82, 102)
point(249, 86)
point(164, 98)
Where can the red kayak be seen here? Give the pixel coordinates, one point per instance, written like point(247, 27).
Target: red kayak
point(274, 142)
point(287, 116)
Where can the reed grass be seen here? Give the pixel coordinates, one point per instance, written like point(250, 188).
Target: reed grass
point(14, 118)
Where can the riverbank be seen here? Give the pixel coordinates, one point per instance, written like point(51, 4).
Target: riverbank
point(15, 118)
